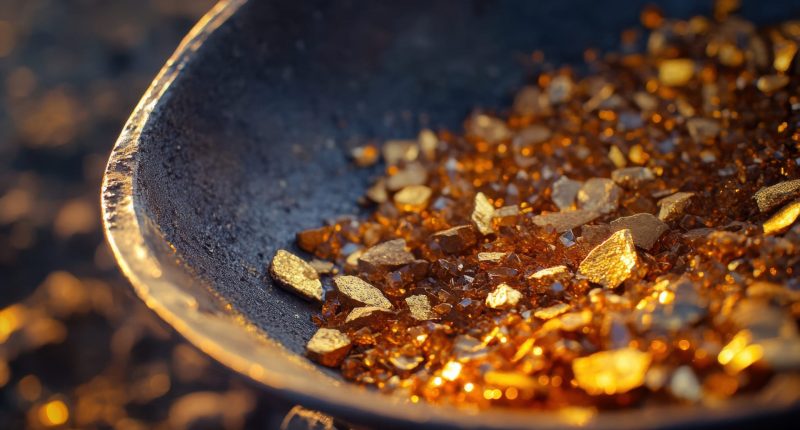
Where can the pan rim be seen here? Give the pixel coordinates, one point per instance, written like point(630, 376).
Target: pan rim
point(156, 280)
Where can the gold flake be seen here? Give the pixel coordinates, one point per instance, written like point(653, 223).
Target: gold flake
point(365, 156)
point(676, 72)
point(550, 271)
point(552, 311)
point(388, 255)
point(397, 151)
point(771, 83)
point(503, 296)
point(783, 218)
point(413, 174)
point(638, 155)
point(599, 195)
point(564, 192)
point(490, 129)
point(672, 206)
point(361, 291)
point(492, 257)
point(456, 239)
point(645, 228)
point(611, 372)
point(328, 347)
point(420, 307)
point(297, 276)
point(611, 262)
point(482, 214)
point(563, 221)
point(632, 177)
point(703, 130)
point(365, 315)
point(405, 362)
point(617, 157)
point(413, 198)
point(785, 51)
point(770, 197)
point(428, 141)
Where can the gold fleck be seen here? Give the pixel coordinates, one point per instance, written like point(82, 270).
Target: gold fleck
point(638, 155)
point(503, 296)
point(405, 362)
point(599, 195)
point(297, 276)
point(783, 218)
point(785, 51)
point(388, 255)
point(563, 221)
point(773, 196)
point(428, 141)
point(328, 347)
point(365, 156)
point(397, 151)
point(550, 271)
point(617, 157)
point(420, 307)
point(552, 311)
point(456, 239)
point(413, 198)
point(361, 291)
point(492, 257)
point(482, 214)
point(611, 372)
point(611, 262)
point(672, 206)
point(564, 192)
point(632, 177)
point(413, 174)
point(645, 228)
point(676, 72)
point(772, 83)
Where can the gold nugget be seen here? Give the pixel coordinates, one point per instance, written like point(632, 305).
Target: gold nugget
point(328, 347)
point(550, 271)
point(783, 219)
point(492, 257)
point(482, 214)
point(297, 276)
point(611, 262)
point(420, 307)
point(503, 296)
point(676, 72)
point(769, 198)
point(599, 195)
point(361, 291)
point(611, 372)
point(412, 198)
point(672, 206)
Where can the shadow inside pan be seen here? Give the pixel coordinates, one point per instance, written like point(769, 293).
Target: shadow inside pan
point(248, 145)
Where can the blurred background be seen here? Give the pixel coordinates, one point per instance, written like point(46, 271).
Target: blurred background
point(77, 350)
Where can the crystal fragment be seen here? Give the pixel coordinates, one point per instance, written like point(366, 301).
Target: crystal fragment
point(645, 228)
point(673, 206)
point(632, 177)
point(456, 239)
point(599, 195)
point(388, 255)
point(564, 192)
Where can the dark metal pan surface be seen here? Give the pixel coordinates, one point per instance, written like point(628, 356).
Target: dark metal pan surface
point(241, 141)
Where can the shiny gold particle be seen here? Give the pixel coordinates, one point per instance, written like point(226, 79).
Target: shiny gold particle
point(771, 83)
point(645, 228)
point(428, 142)
point(550, 272)
point(503, 296)
point(563, 221)
point(388, 255)
point(617, 157)
point(405, 362)
point(783, 218)
point(365, 156)
point(785, 51)
point(673, 206)
point(676, 72)
point(397, 151)
point(552, 311)
point(770, 197)
point(599, 195)
point(491, 257)
point(413, 174)
point(482, 214)
point(632, 177)
point(420, 307)
point(456, 239)
point(611, 372)
point(413, 198)
point(611, 262)
point(328, 347)
point(361, 291)
point(297, 276)
point(365, 315)
point(703, 130)
point(564, 192)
